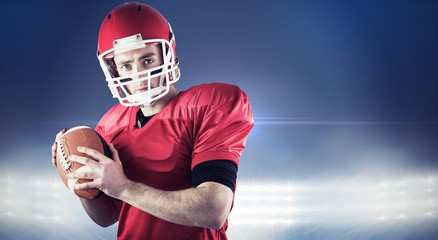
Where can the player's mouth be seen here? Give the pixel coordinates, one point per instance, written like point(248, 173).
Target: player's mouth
point(142, 89)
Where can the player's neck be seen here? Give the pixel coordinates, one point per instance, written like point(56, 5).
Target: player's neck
point(160, 103)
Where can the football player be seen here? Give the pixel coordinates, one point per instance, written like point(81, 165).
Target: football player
point(175, 155)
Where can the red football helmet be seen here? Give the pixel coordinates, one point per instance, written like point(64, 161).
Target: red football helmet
point(129, 27)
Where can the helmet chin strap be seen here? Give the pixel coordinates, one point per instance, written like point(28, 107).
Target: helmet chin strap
point(144, 105)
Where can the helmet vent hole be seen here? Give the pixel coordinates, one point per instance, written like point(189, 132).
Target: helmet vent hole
point(109, 16)
point(138, 8)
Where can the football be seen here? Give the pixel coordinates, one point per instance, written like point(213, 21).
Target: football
point(67, 144)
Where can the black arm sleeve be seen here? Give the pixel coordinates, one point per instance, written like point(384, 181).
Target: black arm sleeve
point(220, 171)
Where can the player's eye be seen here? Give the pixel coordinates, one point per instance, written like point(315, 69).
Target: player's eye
point(148, 61)
point(125, 67)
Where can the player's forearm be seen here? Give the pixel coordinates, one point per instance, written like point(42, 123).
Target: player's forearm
point(103, 210)
point(208, 205)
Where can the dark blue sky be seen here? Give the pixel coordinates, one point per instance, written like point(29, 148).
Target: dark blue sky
point(337, 60)
point(338, 88)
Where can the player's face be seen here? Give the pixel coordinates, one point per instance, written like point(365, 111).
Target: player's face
point(136, 61)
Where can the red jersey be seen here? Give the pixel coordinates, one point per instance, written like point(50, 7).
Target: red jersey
point(205, 122)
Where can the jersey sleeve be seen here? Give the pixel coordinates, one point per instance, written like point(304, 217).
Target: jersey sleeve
point(224, 126)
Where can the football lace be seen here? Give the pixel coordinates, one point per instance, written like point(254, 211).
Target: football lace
point(62, 156)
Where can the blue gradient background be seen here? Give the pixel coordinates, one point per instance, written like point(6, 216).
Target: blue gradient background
point(342, 91)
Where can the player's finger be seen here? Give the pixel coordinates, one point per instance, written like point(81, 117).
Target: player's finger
point(59, 134)
point(96, 155)
point(83, 160)
point(86, 185)
point(54, 154)
point(82, 175)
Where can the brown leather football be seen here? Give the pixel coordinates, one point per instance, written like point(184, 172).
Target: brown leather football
point(67, 144)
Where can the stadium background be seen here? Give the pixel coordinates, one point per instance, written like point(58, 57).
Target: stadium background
point(343, 92)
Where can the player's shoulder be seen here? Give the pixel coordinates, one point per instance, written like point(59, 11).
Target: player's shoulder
point(212, 93)
point(116, 115)
point(215, 88)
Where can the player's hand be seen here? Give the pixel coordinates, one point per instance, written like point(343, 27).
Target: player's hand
point(107, 174)
point(55, 144)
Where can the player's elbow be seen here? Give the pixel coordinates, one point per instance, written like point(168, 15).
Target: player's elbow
point(217, 215)
point(216, 223)
point(216, 206)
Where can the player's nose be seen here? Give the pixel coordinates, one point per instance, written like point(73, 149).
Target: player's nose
point(140, 72)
